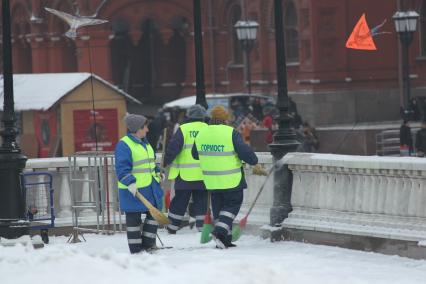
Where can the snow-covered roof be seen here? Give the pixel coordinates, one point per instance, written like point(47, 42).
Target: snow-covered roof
point(186, 102)
point(42, 91)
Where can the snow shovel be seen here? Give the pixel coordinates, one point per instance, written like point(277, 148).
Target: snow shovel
point(207, 226)
point(155, 213)
point(237, 229)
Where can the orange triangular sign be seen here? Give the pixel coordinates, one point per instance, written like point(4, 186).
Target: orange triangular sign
point(360, 37)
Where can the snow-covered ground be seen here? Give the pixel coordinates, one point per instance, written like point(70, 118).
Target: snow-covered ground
point(105, 259)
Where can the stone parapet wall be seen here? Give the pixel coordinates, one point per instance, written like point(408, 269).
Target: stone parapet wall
point(381, 197)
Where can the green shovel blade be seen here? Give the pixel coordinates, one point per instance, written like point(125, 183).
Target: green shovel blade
point(236, 232)
point(205, 233)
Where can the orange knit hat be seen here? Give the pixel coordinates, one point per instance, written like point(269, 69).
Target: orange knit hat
point(220, 113)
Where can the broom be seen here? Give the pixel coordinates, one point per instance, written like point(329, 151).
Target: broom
point(207, 226)
point(155, 213)
point(237, 229)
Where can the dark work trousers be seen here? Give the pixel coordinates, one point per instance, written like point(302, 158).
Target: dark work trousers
point(225, 207)
point(140, 239)
point(180, 203)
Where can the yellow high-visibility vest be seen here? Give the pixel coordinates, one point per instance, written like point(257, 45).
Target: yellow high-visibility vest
point(219, 163)
point(143, 163)
point(184, 164)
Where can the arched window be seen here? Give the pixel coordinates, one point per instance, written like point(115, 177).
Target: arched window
point(121, 46)
point(237, 52)
point(291, 32)
point(423, 29)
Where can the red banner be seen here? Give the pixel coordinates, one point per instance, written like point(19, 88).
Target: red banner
point(106, 129)
point(45, 125)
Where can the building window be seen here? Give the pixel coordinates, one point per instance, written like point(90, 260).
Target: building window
point(423, 29)
point(237, 52)
point(291, 32)
point(121, 47)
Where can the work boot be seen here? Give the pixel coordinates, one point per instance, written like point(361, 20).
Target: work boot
point(170, 231)
point(220, 240)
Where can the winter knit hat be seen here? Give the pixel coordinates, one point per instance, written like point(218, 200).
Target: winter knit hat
point(196, 112)
point(134, 122)
point(220, 113)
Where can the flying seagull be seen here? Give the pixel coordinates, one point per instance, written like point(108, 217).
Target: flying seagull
point(75, 22)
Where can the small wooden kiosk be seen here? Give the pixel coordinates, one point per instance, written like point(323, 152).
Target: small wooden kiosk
point(60, 114)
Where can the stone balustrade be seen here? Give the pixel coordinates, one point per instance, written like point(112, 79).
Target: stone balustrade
point(59, 168)
point(382, 197)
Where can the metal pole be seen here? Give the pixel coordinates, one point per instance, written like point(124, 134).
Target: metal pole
point(285, 138)
point(248, 49)
point(406, 39)
point(199, 59)
point(12, 162)
point(406, 79)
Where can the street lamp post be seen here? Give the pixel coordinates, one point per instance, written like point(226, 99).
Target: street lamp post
point(13, 222)
point(247, 34)
point(285, 138)
point(199, 61)
point(405, 25)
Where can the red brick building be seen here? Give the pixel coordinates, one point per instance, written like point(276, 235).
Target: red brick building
point(147, 49)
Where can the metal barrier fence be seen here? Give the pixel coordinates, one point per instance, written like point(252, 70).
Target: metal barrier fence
point(93, 191)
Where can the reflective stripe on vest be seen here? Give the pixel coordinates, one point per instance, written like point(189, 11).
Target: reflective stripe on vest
point(143, 163)
point(219, 163)
point(184, 164)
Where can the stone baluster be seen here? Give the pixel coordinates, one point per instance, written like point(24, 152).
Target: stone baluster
point(405, 192)
point(86, 195)
point(381, 193)
point(390, 193)
point(341, 191)
point(415, 196)
point(359, 187)
point(421, 200)
point(366, 191)
point(397, 194)
point(351, 190)
point(322, 198)
point(64, 192)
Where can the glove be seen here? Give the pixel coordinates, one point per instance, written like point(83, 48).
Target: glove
point(133, 189)
point(161, 175)
point(259, 170)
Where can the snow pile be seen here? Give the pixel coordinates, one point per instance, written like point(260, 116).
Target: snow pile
point(105, 259)
point(41, 91)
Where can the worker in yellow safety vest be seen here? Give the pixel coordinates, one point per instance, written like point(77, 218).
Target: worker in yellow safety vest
point(221, 150)
point(186, 172)
point(136, 171)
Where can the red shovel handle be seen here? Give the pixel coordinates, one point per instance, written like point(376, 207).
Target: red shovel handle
point(208, 218)
point(243, 222)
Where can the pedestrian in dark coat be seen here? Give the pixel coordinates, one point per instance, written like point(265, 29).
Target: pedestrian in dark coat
point(156, 128)
point(421, 140)
point(405, 139)
point(310, 143)
point(186, 171)
point(220, 150)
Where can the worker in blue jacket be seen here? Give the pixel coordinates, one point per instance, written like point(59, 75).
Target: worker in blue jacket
point(136, 171)
point(186, 171)
point(221, 150)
